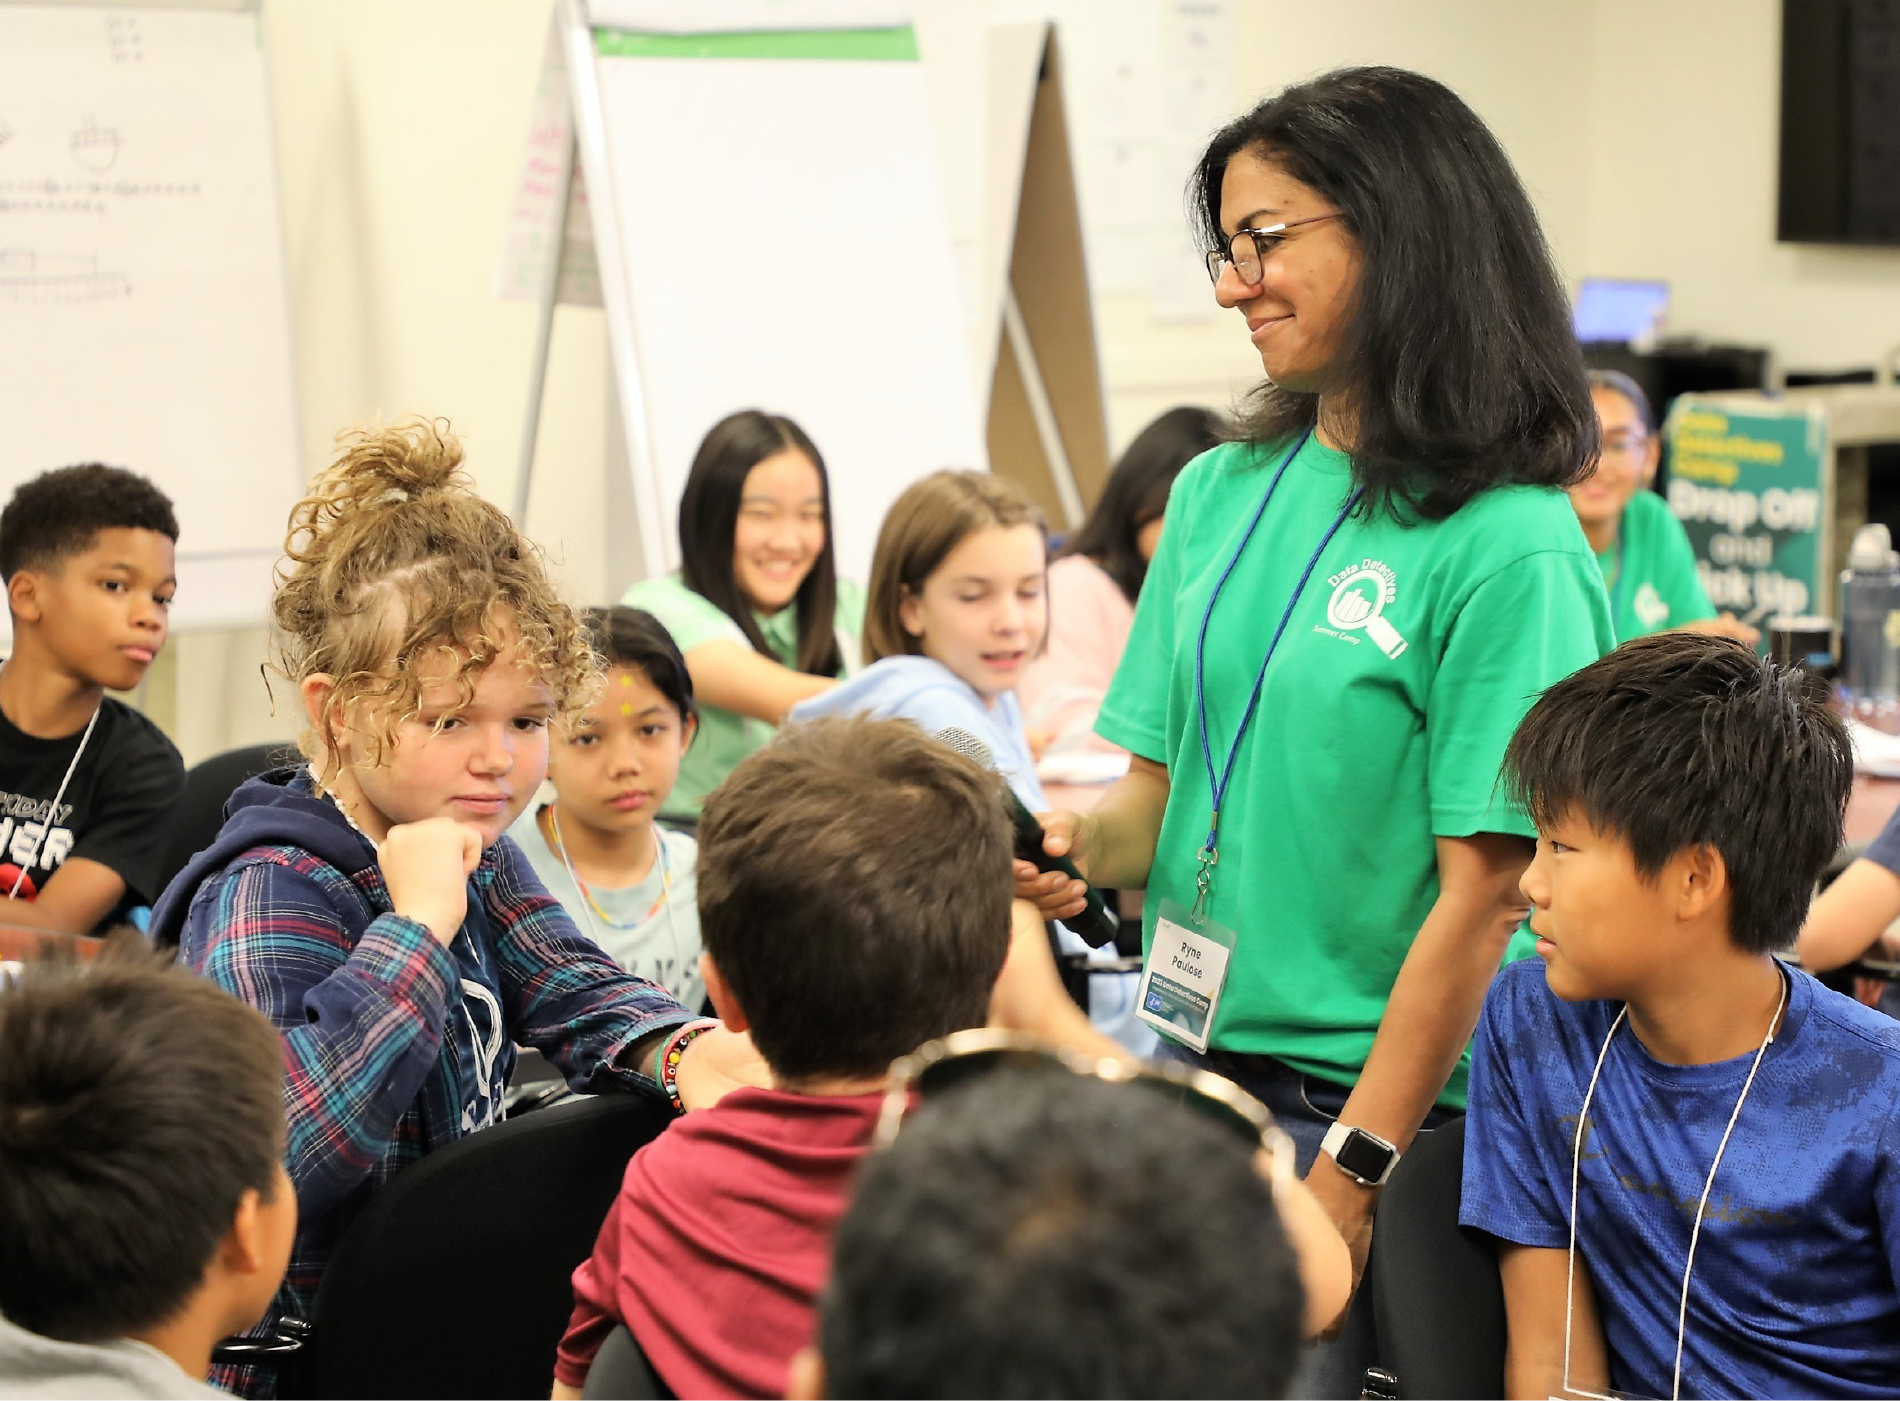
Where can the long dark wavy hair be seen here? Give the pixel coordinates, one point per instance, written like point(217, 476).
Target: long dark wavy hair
point(1136, 492)
point(709, 519)
point(1458, 360)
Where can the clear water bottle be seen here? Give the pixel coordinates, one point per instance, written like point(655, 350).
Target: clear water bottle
point(1870, 629)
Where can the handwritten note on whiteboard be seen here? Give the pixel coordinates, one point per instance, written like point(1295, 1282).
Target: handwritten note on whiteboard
point(529, 240)
point(143, 315)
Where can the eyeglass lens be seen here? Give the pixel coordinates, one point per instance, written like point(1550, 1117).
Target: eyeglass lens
point(1244, 253)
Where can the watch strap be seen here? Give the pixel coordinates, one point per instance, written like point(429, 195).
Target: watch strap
point(1362, 1156)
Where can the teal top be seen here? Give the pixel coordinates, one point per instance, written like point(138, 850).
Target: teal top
point(1406, 664)
point(725, 736)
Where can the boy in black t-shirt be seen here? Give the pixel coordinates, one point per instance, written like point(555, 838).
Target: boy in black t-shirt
point(85, 780)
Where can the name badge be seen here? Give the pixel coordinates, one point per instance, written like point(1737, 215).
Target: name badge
point(1186, 971)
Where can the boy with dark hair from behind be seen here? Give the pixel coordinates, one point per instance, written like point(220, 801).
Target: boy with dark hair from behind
point(855, 879)
point(1685, 1147)
point(86, 782)
point(1039, 1233)
point(144, 1208)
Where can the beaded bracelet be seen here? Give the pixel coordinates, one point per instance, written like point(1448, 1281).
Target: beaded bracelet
point(671, 1055)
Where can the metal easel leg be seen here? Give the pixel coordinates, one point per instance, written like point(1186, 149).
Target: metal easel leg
point(1047, 429)
point(543, 335)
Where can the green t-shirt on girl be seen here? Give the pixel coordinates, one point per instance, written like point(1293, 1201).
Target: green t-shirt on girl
point(1406, 663)
point(725, 736)
point(1649, 572)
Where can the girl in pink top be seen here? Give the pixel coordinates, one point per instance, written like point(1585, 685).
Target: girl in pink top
point(1094, 584)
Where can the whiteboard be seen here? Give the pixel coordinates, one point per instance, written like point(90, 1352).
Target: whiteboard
point(143, 306)
point(774, 236)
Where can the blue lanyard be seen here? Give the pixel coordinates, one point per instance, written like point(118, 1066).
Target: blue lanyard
point(1210, 853)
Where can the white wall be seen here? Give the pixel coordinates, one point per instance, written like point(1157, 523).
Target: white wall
point(1645, 130)
point(400, 129)
point(1520, 67)
point(1684, 128)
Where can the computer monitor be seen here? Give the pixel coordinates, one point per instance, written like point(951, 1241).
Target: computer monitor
point(1621, 310)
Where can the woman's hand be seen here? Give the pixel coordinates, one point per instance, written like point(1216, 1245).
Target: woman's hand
point(1054, 895)
point(1327, 1269)
point(1349, 1205)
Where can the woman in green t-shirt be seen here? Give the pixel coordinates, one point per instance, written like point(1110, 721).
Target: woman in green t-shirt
point(757, 606)
point(1349, 611)
point(1649, 569)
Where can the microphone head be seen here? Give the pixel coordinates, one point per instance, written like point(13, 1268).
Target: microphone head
point(968, 745)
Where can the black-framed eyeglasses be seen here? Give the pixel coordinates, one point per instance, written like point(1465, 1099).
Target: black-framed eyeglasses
point(963, 1056)
point(1249, 247)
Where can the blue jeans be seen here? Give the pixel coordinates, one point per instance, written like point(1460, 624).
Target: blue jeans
point(1306, 1106)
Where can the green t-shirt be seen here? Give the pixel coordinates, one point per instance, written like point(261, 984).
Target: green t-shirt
point(725, 736)
point(1363, 750)
point(1650, 572)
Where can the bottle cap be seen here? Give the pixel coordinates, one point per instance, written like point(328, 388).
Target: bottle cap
point(1872, 551)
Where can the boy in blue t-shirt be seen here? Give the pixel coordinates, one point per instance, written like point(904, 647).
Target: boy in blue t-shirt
point(1707, 1131)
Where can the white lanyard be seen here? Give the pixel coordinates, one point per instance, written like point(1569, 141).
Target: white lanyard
point(1708, 1187)
point(52, 813)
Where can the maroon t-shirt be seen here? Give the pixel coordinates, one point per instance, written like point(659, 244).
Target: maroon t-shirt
point(717, 1247)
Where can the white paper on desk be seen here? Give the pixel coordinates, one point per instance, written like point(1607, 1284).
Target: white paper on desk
point(1875, 751)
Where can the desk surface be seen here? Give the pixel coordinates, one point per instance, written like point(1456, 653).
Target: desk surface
point(1873, 801)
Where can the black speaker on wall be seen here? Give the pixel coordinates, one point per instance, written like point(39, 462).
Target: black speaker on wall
point(1840, 122)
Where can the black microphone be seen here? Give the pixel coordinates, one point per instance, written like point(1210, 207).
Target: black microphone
point(1097, 923)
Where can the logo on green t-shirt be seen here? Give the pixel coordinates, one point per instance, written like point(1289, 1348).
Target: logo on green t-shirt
point(1360, 595)
point(1650, 609)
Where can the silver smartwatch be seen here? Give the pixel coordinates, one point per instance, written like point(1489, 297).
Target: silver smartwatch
point(1362, 1156)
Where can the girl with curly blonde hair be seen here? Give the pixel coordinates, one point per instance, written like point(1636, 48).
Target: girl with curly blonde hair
point(367, 900)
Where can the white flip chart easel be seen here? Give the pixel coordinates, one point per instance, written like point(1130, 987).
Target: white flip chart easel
point(771, 224)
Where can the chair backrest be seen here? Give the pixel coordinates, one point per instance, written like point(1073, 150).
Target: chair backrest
point(621, 1372)
point(209, 783)
point(1436, 1297)
point(454, 1281)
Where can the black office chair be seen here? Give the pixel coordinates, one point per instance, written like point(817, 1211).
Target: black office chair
point(209, 784)
point(454, 1281)
point(1436, 1298)
point(621, 1372)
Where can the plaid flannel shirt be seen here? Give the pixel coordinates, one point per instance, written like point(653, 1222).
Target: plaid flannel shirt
point(362, 997)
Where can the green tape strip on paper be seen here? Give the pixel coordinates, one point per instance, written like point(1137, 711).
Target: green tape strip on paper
point(898, 44)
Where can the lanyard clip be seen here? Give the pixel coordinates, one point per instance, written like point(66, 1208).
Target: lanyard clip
point(1204, 878)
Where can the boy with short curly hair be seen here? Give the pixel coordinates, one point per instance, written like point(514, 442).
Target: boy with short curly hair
point(86, 782)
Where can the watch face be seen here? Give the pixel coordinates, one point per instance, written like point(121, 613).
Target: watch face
point(1362, 1157)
